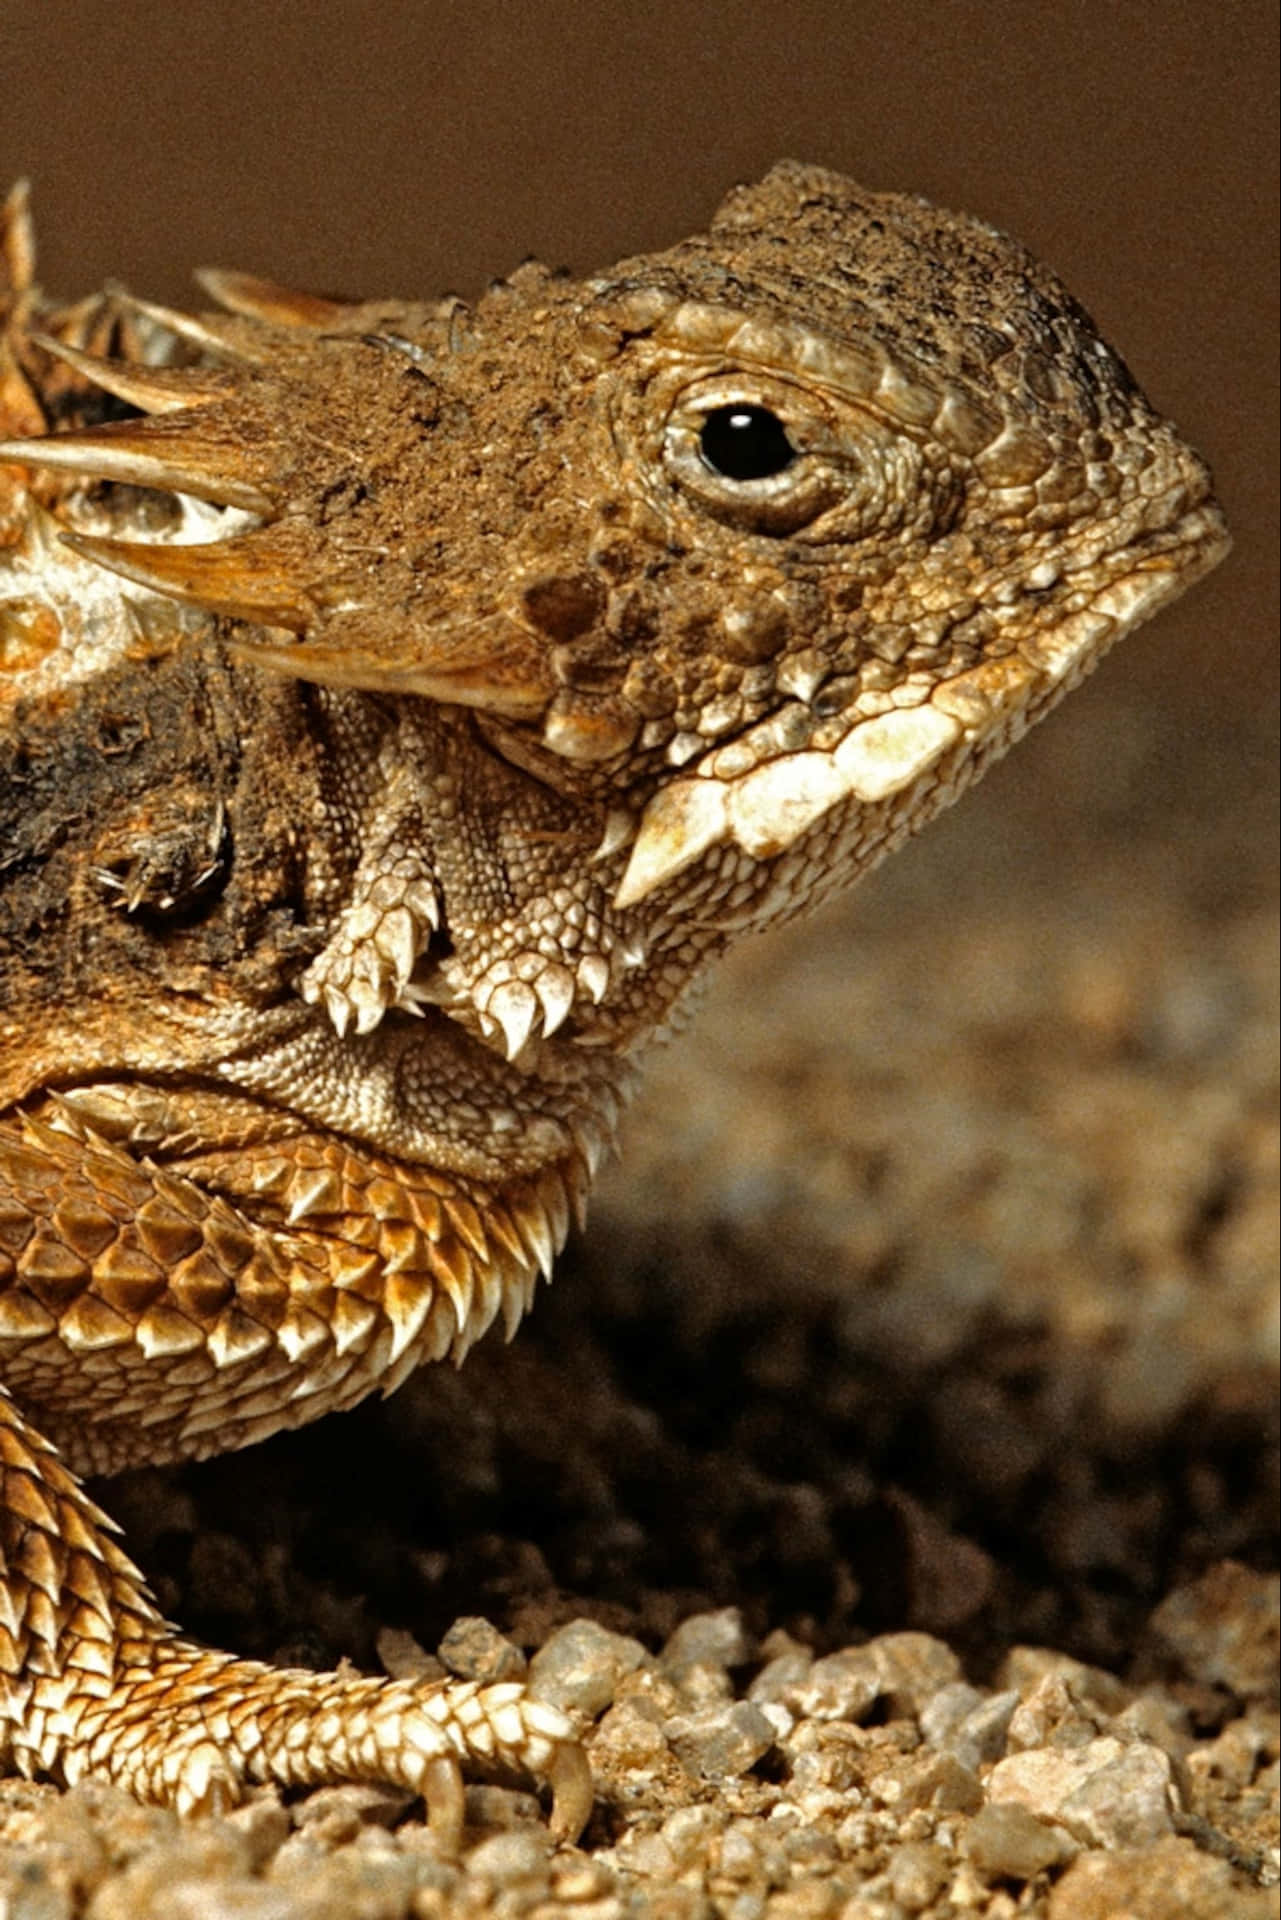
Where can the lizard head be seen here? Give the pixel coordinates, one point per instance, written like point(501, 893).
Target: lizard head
point(794, 526)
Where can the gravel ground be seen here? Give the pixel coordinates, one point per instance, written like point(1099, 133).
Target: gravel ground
point(889, 1479)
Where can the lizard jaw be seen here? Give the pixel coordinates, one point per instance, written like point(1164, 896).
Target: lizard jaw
point(767, 809)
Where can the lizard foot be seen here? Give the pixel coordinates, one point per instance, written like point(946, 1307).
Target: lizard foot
point(195, 1730)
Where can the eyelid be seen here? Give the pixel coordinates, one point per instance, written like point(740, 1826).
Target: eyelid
point(804, 420)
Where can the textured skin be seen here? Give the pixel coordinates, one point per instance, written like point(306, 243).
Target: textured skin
point(394, 723)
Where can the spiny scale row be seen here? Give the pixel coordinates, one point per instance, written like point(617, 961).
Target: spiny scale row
point(180, 1273)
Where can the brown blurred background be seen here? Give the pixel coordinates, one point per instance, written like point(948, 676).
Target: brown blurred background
point(411, 148)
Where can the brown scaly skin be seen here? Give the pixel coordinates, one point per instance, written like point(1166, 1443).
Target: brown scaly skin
point(400, 706)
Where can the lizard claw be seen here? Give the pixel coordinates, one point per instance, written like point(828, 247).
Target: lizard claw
point(365, 968)
point(443, 1794)
point(573, 1792)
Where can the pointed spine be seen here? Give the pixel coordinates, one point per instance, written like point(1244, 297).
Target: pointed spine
point(255, 299)
point(176, 453)
point(153, 389)
point(500, 684)
point(221, 344)
point(17, 239)
point(246, 578)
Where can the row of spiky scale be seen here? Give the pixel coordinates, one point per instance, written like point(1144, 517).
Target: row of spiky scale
point(339, 1272)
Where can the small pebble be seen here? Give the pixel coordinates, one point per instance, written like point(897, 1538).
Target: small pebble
point(507, 1859)
point(785, 1672)
point(912, 1667)
point(1024, 1668)
point(946, 1709)
point(720, 1742)
point(938, 1781)
point(706, 1640)
point(841, 1686)
point(918, 1872)
point(628, 1737)
point(336, 1814)
point(689, 1834)
point(491, 1809)
point(581, 1665)
point(1007, 1842)
point(475, 1650)
point(403, 1657)
point(972, 1726)
point(581, 1878)
point(739, 1858)
point(1051, 1714)
point(702, 1685)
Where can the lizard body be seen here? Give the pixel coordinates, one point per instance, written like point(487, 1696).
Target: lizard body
point(401, 706)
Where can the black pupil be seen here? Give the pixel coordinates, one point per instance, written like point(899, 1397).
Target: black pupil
point(745, 443)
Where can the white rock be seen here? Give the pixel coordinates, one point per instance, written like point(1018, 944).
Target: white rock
point(1107, 1793)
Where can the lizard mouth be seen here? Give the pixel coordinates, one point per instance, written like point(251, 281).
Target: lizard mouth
point(765, 809)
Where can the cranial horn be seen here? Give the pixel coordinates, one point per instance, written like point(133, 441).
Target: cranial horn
point(153, 389)
point(179, 453)
point(235, 345)
point(247, 578)
point(256, 299)
point(487, 669)
point(17, 239)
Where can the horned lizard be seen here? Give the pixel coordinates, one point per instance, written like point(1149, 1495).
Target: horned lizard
point(403, 705)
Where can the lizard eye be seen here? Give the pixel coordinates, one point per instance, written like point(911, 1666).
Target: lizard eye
point(757, 453)
point(745, 443)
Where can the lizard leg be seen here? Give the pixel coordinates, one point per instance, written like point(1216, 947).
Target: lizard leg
point(92, 1679)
